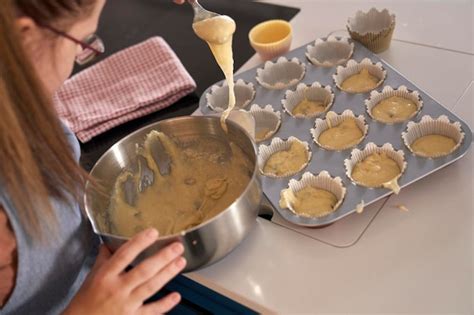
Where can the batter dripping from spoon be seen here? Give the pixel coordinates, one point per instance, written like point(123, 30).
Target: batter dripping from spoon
point(217, 32)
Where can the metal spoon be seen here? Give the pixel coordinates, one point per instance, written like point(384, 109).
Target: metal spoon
point(200, 13)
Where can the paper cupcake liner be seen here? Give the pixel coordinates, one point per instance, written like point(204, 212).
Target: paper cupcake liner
point(275, 48)
point(322, 181)
point(278, 144)
point(374, 29)
point(313, 92)
point(353, 67)
point(218, 97)
point(329, 52)
point(321, 125)
point(429, 126)
point(281, 74)
point(359, 155)
point(266, 118)
point(387, 92)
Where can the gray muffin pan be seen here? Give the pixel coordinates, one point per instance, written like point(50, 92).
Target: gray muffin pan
point(332, 161)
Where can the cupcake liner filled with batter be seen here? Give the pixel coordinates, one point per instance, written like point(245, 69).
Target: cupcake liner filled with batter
point(376, 167)
point(433, 138)
point(339, 132)
point(281, 74)
point(313, 196)
point(393, 106)
point(308, 101)
point(283, 158)
point(373, 29)
point(267, 121)
point(218, 97)
point(359, 77)
point(329, 52)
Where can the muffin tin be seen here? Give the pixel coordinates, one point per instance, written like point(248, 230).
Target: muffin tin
point(333, 161)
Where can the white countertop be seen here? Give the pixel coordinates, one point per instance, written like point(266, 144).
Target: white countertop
point(420, 261)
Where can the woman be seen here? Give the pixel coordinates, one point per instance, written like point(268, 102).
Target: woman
point(46, 243)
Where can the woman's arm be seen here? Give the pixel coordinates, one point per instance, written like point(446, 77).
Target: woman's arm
point(8, 258)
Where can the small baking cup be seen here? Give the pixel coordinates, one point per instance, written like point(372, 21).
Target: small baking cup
point(353, 67)
point(314, 92)
point(218, 97)
point(321, 181)
point(281, 74)
point(329, 52)
point(429, 126)
point(277, 145)
point(387, 92)
point(335, 120)
point(371, 148)
point(267, 121)
point(373, 29)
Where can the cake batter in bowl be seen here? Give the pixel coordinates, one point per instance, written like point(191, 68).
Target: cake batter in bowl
point(206, 242)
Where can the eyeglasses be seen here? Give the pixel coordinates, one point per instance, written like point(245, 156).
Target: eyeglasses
point(92, 46)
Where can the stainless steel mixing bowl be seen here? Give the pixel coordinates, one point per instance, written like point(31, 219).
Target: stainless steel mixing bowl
point(205, 243)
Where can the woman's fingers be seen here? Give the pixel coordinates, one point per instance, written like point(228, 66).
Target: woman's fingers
point(152, 265)
point(158, 281)
point(179, 1)
point(162, 306)
point(125, 255)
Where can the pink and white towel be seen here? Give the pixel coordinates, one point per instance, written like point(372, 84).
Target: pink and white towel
point(132, 83)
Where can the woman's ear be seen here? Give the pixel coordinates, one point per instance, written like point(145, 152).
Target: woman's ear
point(28, 30)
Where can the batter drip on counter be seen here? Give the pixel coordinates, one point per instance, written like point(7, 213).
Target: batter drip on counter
point(360, 82)
point(204, 180)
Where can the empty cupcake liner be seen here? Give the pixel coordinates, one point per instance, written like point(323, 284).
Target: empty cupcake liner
point(359, 155)
point(218, 97)
point(374, 29)
point(278, 144)
point(313, 92)
point(335, 119)
point(322, 181)
point(329, 52)
point(281, 74)
point(267, 121)
point(387, 92)
point(353, 67)
point(430, 126)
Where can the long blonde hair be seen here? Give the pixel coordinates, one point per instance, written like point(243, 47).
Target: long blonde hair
point(36, 162)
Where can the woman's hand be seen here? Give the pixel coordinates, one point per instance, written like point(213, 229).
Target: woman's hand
point(179, 1)
point(110, 290)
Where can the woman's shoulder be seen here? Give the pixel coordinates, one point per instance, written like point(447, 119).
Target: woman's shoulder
point(72, 140)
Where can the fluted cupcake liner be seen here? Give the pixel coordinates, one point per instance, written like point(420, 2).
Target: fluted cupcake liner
point(267, 121)
point(321, 181)
point(218, 97)
point(281, 74)
point(277, 145)
point(371, 148)
point(430, 126)
point(313, 92)
point(387, 92)
point(353, 67)
point(335, 120)
point(329, 52)
point(374, 29)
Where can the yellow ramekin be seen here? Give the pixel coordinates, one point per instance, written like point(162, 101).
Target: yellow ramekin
point(271, 38)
